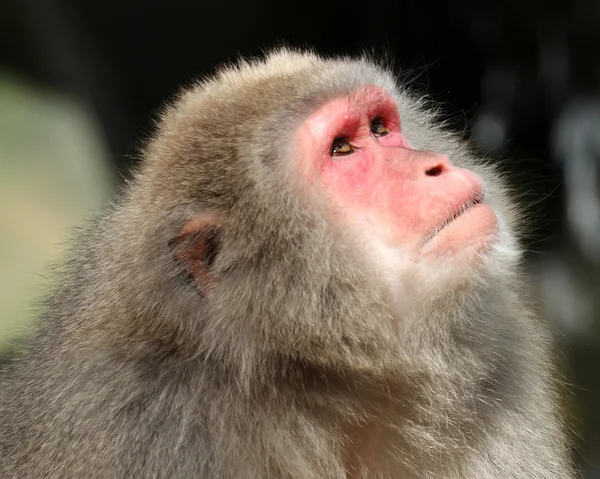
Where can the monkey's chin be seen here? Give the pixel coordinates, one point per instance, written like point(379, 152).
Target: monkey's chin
point(472, 233)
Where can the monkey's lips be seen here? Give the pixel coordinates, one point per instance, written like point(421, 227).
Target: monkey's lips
point(462, 209)
point(472, 223)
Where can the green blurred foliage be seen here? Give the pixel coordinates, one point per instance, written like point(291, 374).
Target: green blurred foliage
point(53, 172)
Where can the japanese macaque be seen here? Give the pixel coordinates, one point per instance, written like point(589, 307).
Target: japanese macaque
point(307, 278)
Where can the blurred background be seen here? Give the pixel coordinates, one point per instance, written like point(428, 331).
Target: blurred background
point(81, 83)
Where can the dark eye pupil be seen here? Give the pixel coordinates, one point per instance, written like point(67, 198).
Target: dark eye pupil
point(378, 128)
point(341, 147)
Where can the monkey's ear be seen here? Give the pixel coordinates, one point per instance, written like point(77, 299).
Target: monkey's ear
point(196, 247)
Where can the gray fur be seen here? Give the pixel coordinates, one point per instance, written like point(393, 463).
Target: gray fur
point(134, 373)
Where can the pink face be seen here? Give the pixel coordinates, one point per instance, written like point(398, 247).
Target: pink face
point(418, 201)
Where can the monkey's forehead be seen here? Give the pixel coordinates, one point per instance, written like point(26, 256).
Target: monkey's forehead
point(292, 82)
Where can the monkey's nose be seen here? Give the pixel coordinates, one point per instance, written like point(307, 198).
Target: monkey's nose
point(436, 164)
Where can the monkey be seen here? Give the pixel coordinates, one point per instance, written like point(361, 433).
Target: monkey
point(307, 276)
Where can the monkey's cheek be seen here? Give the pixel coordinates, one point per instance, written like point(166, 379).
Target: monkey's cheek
point(472, 233)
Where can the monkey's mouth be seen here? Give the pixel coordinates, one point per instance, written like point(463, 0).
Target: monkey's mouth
point(461, 210)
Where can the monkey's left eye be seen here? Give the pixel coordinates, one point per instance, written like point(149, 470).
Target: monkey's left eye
point(341, 147)
point(378, 128)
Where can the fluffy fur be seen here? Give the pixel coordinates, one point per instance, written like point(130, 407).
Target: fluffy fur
point(319, 355)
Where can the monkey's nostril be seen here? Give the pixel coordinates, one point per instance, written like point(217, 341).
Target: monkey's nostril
point(434, 171)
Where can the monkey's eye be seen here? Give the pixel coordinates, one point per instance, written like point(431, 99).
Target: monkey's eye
point(341, 147)
point(378, 128)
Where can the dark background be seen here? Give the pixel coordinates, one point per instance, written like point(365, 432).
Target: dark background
point(521, 77)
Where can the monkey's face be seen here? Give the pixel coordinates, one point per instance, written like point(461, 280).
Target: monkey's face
point(416, 202)
point(422, 225)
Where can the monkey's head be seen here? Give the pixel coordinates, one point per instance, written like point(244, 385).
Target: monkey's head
point(312, 209)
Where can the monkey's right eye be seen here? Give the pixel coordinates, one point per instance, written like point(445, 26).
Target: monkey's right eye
point(341, 147)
